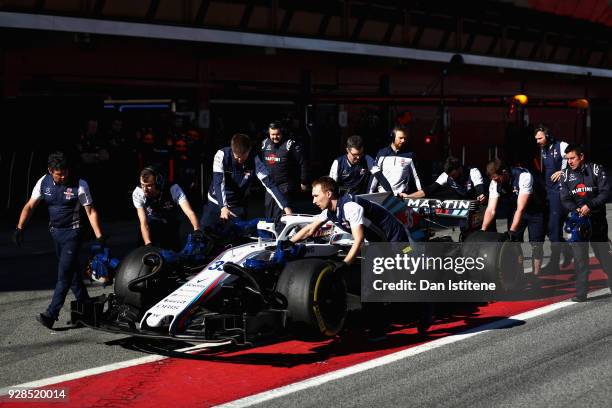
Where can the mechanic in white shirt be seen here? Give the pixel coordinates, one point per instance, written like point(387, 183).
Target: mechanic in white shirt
point(516, 195)
point(363, 218)
point(396, 165)
point(157, 208)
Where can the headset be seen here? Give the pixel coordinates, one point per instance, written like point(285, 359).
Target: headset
point(546, 131)
point(160, 181)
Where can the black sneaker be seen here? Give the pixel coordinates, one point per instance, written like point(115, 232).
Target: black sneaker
point(45, 320)
point(376, 335)
point(551, 269)
point(579, 299)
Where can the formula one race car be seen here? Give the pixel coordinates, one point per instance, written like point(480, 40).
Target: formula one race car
point(252, 291)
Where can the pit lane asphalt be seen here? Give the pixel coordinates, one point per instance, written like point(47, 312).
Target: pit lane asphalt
point(560, 359)
point(29, 351)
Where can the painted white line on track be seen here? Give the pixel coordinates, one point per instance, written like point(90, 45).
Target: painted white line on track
point(98, 370)
point(391, 358)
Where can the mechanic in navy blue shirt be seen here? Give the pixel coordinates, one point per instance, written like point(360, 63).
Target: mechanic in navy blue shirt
point(286, 166)
point(553, 161)
point(363, 218)
point(157, 206)
point(396, 165)
point(64, 196)
point(234, 168)
point(585, 189)
point(352, 171)
point(516, 195)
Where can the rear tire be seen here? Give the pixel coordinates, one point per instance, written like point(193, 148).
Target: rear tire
point(504, 259)
point(316, 296)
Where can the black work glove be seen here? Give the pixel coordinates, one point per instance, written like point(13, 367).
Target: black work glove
point(18, 237)
point(198, 235)
point(101, 240)
point(342, 268)
point(512, 236)
point(286, 244)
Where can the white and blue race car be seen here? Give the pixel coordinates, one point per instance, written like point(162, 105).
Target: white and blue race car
point(252, 291)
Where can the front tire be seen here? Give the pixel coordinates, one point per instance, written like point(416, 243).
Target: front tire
point(316, 296)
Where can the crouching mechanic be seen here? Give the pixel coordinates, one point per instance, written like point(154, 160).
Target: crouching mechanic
point(64, 196)
point(234, 169)
point(515, 195)
point(454, 182)
point(157, 208)
point(365, 220)
point(585, 189)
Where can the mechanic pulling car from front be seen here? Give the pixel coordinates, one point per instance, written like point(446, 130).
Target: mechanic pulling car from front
point(156, 205)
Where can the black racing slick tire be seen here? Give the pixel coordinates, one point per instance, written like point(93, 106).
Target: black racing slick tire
point(504, 259)
point(132, 286)
point(316, 296)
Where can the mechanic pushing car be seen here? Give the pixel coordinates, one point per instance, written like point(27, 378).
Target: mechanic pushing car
point(64, 195)
point(157, 207)
point(515, 195)
point(234, 169)
point(584, 189)
point(365, 220)
point(352, 171)
point(286, 166)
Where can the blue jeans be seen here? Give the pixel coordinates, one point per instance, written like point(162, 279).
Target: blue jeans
point(67, 243)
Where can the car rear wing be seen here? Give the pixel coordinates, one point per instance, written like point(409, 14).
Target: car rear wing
point(446, 211)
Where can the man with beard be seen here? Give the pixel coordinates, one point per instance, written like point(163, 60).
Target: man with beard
point(396, 165)
point(286, 167)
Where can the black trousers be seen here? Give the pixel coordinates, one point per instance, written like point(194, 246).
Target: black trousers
point(272, 209)
point(602, 249)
